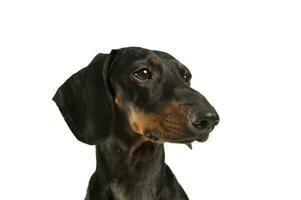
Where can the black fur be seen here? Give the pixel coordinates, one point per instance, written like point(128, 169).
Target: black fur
point(86, 102)
point(130, 164)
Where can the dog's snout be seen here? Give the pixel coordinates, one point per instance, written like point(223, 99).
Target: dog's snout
point(204, 119)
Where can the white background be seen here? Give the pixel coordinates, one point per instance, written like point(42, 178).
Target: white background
point(245, 57)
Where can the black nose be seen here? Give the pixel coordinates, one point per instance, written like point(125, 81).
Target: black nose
point(204, 119)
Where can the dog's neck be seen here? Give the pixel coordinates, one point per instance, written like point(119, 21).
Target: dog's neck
point(130, 167)
point(130, 158)
point(130, 164)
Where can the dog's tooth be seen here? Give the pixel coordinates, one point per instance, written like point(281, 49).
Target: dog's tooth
point(189, 145)
point(147, 133)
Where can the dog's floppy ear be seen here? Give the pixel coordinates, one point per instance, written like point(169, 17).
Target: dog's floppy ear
point(86, 102)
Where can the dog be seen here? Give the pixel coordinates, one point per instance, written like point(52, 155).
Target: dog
point(129, 103)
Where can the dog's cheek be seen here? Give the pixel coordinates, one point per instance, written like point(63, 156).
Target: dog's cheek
point(140, 121)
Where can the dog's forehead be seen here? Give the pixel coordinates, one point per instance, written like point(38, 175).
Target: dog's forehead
point(135, 55)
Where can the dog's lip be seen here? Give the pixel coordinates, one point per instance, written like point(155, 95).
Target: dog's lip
point(195, 135)
point(203, 138)
point(185, 140)
point(181, 141)
point(200, 138)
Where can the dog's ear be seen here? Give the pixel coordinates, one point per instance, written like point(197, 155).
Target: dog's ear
point(86, 102)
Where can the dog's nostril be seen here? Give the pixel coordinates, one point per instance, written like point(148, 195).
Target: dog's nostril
point(203, 124)
point(215, 122)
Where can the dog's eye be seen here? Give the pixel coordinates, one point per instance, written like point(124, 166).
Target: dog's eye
point(187, 77)
point(143, 74)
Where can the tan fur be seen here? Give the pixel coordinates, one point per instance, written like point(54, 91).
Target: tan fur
point(170, 120)
point(181, 66)
point(117, 101)
point(155, 60)
point(118, 98)
point(139, 120)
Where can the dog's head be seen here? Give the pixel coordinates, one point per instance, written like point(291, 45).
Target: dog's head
point(150, 89)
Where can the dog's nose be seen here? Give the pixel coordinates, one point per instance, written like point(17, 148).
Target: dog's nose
point(204, 119)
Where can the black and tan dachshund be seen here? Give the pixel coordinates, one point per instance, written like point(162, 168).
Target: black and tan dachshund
point(128, 103)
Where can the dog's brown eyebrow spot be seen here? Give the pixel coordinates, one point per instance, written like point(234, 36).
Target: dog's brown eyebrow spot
point(181, 66)
point(155, 60)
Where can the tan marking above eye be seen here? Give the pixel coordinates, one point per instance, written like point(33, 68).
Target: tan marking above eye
point(155, 60)
point(181, 66)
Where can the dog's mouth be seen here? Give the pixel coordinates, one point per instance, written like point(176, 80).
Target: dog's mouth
point(181, 137)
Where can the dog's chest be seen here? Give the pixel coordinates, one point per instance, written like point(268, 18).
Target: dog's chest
point(119, 192)
point(134, 192)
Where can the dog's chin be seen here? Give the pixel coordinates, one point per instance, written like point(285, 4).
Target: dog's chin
point(191, 136)
point(201, 138)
